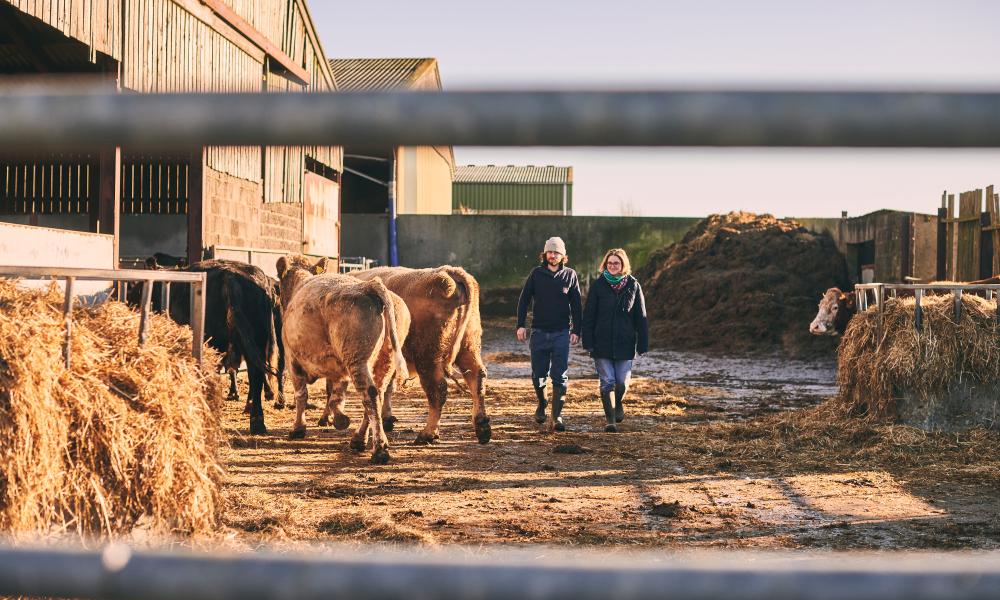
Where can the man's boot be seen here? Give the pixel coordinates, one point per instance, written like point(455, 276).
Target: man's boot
point(609, 411)
point(542, 404)
point(558, 393)
point(619, 407)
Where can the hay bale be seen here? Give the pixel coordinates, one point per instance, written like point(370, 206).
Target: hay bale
point(879, 365)
point(127, 437)
point(741, 283)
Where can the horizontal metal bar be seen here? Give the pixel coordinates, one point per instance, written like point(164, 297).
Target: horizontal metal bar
point(38, 118)
point(101, 274)
point(928, 286)
point(117, 572)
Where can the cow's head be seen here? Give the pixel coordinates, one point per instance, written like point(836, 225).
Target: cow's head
point(293, 269)
point(835, 310)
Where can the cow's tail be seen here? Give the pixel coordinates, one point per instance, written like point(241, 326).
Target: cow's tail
point(377, 289)
point(446, 287)
point(467, 294)
point(255, 349)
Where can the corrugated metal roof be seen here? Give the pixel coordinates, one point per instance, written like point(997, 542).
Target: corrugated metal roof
point(513, 174)
point(371, 74)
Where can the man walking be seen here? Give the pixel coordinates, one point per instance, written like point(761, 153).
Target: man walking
point(554, 290)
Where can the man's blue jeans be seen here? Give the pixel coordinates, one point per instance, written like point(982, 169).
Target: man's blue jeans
point(549, 357)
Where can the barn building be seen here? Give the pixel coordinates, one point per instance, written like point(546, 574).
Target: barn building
point(513, 190)
point(415, 179)
point(250, 203)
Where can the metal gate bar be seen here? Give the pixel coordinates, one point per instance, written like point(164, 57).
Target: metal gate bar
point(197, 281)
point(38, 118)
point(117, 572)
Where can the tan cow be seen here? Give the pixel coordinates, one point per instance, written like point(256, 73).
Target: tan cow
point(445, 331)
point(342, 329)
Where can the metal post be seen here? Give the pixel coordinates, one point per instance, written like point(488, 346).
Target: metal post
point(165, 297)
point(393, 248)
point(147, 295)
point(68, 318)
point(198, 318)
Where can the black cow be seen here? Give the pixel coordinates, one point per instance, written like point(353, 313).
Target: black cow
point(242, 321)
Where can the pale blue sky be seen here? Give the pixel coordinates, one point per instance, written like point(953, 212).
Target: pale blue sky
point(762, 44)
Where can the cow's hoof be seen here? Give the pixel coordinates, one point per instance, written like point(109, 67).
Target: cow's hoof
point(380, 457)
point(357, 445)
point(388, 423)
point(341, 422)
point(483, 430)
point(611, 428)
point(257, 426)
point(279, 404)
point(324, 421)
point(298, 433)
point(559, 425)
point(233, 396)
point(246, 408)
point(426, 439)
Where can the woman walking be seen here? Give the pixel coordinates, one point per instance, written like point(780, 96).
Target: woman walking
point(615, 329)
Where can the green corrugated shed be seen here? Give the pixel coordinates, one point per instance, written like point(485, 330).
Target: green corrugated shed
point(512, 190)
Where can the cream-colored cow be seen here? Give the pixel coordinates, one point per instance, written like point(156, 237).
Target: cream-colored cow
point(342, 329)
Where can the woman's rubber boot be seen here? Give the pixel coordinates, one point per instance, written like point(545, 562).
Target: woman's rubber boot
point(609, 411)
point(558, 393)
point(619, 407)
point(542, 404)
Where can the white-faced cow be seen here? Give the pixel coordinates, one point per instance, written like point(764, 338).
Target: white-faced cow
point(837, 307)
point(242, 322)
point(445, 331)
point(342, 329)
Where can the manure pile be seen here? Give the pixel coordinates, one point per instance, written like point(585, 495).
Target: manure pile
point(741, 283)
point(127, 438)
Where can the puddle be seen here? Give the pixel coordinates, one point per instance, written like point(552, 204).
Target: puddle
point(737, 387)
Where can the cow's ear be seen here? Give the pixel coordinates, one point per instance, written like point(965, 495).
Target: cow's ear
point(321, 265)
point(851, 300)
point(151, 263)
point(281, 266)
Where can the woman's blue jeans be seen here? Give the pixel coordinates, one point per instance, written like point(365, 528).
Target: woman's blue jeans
point(613, 372)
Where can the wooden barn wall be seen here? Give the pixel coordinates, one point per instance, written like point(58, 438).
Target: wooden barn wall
point(168, 49)
point(77, 19)
point(176, 46)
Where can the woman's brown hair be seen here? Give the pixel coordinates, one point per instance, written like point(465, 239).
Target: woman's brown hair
point(620, 253)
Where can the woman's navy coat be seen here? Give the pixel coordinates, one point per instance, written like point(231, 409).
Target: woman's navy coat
point(615, 324)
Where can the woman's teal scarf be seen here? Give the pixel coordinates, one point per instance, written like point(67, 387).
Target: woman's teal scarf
point(613, 279)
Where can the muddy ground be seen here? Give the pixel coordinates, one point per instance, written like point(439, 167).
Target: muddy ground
point(712, 453)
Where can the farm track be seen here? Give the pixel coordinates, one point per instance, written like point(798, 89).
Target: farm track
point(684, 472)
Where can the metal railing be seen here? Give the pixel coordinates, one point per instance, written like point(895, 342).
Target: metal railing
point(878, 291)
point(39, 118)
point(118, 572)
point(71, 275)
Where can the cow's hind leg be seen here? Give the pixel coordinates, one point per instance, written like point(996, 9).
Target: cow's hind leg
point(436, 387)
point(474, 373)
point(365, 383)
point(335, 397)
point(301, 386)
point(256, 377)
point(388, 421)
point(234, 394)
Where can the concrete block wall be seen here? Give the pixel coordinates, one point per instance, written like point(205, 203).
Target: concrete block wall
point(236, 216)
point(281, 227)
